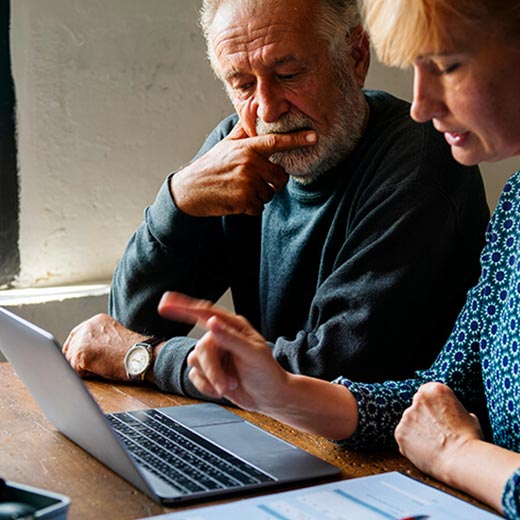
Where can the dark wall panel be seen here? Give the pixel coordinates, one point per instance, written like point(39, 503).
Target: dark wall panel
point(9, 202)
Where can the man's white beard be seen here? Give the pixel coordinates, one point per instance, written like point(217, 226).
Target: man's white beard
point(307, 164)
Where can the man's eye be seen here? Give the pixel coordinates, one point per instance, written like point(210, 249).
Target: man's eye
point(286, 77)
point(242, 87)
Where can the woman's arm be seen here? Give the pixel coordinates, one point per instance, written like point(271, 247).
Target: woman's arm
point(444, 440)
point(233, 361)
point(483, 470)
point(436, 432)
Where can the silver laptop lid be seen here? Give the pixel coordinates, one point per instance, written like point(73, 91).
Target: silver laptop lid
point(63, 397)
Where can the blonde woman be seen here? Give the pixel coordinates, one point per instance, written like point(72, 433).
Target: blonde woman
point(459, 421)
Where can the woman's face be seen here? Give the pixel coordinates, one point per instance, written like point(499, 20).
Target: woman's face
point(471, 92)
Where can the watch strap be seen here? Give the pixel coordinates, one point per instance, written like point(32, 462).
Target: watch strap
point(152, 341)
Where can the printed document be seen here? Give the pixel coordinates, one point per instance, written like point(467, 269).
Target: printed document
point(388, 496)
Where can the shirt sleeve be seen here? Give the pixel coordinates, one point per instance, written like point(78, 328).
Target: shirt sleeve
point(458, 365)
point(511, 496)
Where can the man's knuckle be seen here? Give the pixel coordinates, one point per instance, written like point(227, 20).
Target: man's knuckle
point(270, 141)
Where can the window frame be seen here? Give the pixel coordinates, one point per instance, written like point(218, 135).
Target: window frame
point(9, 186)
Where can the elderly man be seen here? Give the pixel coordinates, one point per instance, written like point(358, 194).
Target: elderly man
point(347, 234)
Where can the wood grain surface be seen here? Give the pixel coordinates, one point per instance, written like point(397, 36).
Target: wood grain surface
point(34, 453)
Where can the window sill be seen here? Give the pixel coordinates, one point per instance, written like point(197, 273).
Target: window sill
point(38, 295)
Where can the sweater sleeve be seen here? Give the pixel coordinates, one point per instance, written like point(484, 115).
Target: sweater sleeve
point(190, 260)
point(170, 251)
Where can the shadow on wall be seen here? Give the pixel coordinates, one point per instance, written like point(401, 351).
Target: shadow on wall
point(59, 317)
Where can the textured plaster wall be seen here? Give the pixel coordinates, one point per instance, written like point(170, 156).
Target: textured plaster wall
point(112, 95)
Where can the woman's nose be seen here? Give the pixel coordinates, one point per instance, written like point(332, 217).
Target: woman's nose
point(427, 98)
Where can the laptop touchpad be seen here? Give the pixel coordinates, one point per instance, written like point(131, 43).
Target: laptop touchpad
point(256, 446)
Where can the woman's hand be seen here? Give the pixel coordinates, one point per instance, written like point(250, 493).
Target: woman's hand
point(445, 441)
point(434, 428)
point(232, 360)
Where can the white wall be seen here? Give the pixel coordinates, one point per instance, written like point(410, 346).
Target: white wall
point(112, 95)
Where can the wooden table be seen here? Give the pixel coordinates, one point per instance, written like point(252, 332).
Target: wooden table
point(34, 453)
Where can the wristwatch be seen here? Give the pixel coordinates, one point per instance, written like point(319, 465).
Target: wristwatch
point(139, 359)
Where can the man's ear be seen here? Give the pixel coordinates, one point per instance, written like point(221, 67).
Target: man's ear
point(359, 54)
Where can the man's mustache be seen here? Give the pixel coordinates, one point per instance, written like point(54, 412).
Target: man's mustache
point(289, 124)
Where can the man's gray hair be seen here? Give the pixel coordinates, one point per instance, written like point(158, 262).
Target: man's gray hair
point(338, 18)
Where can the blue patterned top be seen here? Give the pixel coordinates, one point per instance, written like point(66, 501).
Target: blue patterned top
point(481, 360)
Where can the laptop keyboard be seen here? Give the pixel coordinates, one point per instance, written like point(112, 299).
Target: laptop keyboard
point(179, 456)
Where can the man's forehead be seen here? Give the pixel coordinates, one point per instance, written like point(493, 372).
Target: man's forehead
point(236, 29)
point(238, 46)
point(231, 69)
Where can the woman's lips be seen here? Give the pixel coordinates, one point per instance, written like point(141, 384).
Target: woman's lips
point(456, 138)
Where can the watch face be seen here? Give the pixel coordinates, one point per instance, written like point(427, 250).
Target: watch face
point(137, 361)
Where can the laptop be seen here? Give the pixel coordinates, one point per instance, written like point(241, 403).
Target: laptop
point(174, 454)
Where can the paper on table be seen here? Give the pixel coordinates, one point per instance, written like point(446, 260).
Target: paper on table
point(388, 496)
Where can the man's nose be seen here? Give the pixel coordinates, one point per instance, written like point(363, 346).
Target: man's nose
point(271, 102)
point(428, 100)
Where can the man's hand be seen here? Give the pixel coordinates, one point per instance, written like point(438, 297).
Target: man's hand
point(434, 429)
point(232, 360)
point(98, 347)
point(235, 176)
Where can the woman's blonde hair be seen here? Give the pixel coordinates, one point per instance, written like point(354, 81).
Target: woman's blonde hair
point(401, 29)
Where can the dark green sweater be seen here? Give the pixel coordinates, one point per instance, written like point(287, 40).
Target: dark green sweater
point(360, 274)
